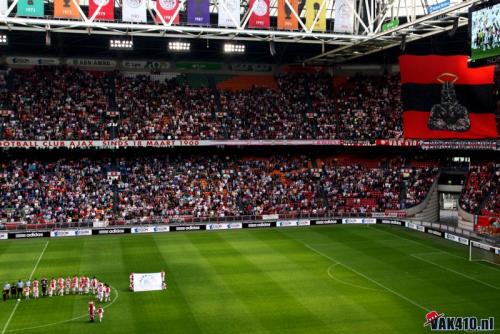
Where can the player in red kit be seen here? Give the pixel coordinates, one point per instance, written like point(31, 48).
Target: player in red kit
point(100, 313)
point(68, 285)
point(60, 286)
point(93, 285)
point(52, 286)
point(100, 292)
point(74, 285)
point(91, 309)
point(107, 292)
point(27, 292)
point(36, 290)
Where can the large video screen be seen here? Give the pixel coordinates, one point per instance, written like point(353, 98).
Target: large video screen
point(485, 33)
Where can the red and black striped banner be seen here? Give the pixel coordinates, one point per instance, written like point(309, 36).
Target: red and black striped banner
point(443, 98)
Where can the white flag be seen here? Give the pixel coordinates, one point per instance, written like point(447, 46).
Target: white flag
point(229, 13)
point(3, 7)
point(147, 282)
point(134, 10)
point(343, 16)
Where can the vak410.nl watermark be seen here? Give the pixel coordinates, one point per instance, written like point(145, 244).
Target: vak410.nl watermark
point(440, 322)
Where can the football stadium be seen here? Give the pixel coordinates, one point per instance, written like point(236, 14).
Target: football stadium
point(250, 166)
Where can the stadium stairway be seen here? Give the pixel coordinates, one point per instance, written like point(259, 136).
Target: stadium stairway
point(428, 210)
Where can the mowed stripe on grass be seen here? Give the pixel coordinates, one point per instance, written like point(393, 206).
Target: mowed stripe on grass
point(257, 281)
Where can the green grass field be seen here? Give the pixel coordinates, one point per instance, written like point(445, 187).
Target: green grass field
point(332, 279)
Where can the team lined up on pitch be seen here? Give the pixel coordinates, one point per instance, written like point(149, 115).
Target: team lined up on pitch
point(58, 287)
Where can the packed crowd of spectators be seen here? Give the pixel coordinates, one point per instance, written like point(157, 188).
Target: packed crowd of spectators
point(165, 187)
point(150, 109)
point(368, 108)
point(59, 191)
point(492, 201)
point(361, 187)
point(481, 181)
point(63, 103)
point(56, 103)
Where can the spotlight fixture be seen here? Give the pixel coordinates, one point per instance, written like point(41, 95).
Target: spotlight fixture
point(3, 39)
point(179, 46)
point(121, 44)
point(234, 48)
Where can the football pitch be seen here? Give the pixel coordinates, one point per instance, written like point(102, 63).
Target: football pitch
point(329, 279)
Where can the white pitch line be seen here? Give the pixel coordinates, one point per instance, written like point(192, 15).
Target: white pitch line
point(369, 279)
point(455, 272)
point(328, 270)
point(438, 249)
point(17, 302)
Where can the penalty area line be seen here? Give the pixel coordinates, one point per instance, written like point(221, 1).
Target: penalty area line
point(369, 279)
point(31, 275)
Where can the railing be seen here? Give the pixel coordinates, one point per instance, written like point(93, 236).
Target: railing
point(23, 226)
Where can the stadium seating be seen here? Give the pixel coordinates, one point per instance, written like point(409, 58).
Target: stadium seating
point(481, 190)
point(64, 103)
point(159, 188)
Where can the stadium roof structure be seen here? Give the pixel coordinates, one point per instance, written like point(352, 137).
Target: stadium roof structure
point(372, 30)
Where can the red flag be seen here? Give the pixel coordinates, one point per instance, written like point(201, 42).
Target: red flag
point(260, 14)
point(167, 9)
point(443, 98)
point(107, 11)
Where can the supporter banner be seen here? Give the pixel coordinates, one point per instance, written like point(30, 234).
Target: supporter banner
point(66, 9)
point(198, 12)
point(259, 225)
point(107, 11)
point(3, 7)
point(456, 238)
point(312, 9)
point(271, 217)
point(398, 142)
point(147, 282)
point(229, 13)
point(92, 63)
point(108, 231)
point(32, 8)
point(35, 61)
point(134, 10)
point(100, 224)
point(459, 145)
point(343, 16)
point(74, 144)
point(167, 9)
point(29, 235)
point(434, 232)
point(286, 19)
point(224, 226)
point(443, 98)
point(389, 214)
point(176, 228)
point(326, 222)
point(70, 233)
point(260, 15)
point(359, 221)
point(415, 226)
